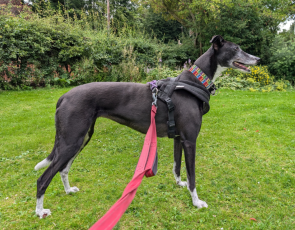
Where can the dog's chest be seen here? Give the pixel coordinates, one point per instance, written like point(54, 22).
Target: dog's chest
point(218, 72)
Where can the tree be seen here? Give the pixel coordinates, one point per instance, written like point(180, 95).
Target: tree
point(200, 15)
point(122, 12)
point(155, 25)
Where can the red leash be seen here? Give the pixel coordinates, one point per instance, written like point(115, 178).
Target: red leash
point(146, 166)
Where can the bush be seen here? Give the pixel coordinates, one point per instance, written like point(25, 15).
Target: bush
point(236, 83)
point(60, 51)
point(260, 74)
point(162, 73)
point(282, 60)
point(258, 80)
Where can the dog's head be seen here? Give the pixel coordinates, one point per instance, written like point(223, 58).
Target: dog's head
point(230, 55)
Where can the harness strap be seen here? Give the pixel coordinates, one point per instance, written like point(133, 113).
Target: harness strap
point(147, 165)
point(170, 123)
point(168, 86)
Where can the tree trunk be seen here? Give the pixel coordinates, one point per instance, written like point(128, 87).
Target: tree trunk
point(201, 50)
point(108, 13)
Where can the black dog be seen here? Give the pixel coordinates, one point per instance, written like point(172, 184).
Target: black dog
point(129, 104)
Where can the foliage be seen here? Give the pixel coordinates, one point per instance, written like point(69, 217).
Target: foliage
point(245, 157)
point(288, 34)
point(235, 83)
point(128, 70)
point(282, 60)
point(157, 26)
point(260, 74)
point(245, 25)
point(162, 73)
point(252, 24)
point(46, 44)
point(122, 12)
point(52, 50)
point(258, 80)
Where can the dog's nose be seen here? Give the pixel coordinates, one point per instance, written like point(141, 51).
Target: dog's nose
point(258, 60)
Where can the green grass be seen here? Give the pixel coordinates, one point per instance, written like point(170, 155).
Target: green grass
point(245, 167)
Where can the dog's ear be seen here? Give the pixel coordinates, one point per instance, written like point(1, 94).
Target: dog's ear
point(217, 41)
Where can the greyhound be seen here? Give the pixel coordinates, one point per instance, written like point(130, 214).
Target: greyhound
point(129, 104)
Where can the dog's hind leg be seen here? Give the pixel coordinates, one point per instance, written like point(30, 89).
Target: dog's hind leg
point(42, 184)
point(65, 172)
point(177, 161)
point(190, 155)
point(70, 139)
point(60, 162)
point(46, 161)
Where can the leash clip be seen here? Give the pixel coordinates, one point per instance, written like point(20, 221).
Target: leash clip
point(213, 90)
point(155, 94)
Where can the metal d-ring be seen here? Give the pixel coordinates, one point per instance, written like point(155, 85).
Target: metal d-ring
point(154, 95)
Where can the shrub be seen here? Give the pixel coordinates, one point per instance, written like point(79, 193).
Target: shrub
point(282, 59)
point(260, 74)
point(162, 73)
point(258, 80)
point(236, 83)
point(128, 70)
point(57, 50)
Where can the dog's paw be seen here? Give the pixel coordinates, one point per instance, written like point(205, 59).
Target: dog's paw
point(200, 204)
point(72, 190)
point(181, 183)
point(43, 213)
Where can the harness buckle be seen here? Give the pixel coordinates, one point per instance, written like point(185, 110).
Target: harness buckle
point(213, 90)
point(154, 95)
point(171, 124)
point(169, 104)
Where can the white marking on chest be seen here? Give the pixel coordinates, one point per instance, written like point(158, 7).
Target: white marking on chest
point(218, 72)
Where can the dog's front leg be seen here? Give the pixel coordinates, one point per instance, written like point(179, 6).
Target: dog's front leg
point(177, 161)
point(190, 155)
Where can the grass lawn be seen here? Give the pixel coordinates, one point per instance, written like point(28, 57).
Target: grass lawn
point(245, 167)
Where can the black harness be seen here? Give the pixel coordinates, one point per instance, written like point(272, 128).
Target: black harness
point(166, 88)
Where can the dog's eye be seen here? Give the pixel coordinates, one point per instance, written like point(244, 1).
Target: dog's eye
point(237, 48)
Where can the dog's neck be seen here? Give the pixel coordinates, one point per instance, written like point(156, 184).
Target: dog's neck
point(209, 65)
point(201, 76)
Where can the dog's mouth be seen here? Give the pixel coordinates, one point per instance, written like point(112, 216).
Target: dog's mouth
point(241, 66)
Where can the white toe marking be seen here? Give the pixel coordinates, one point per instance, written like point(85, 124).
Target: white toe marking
point(72, 190)
point(178, 178)
point(42, 213)
point(196, 201)
point(64, 174)
point(181, 183)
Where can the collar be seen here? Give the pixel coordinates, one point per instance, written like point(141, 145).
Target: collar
point(202, 77)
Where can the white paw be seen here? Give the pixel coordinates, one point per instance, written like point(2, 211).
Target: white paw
point(43, 213)
point(200, 204)
point(72, 190)
point(181, 183)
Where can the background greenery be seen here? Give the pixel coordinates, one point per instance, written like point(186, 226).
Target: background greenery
point(244, 167)
point(52, 43)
